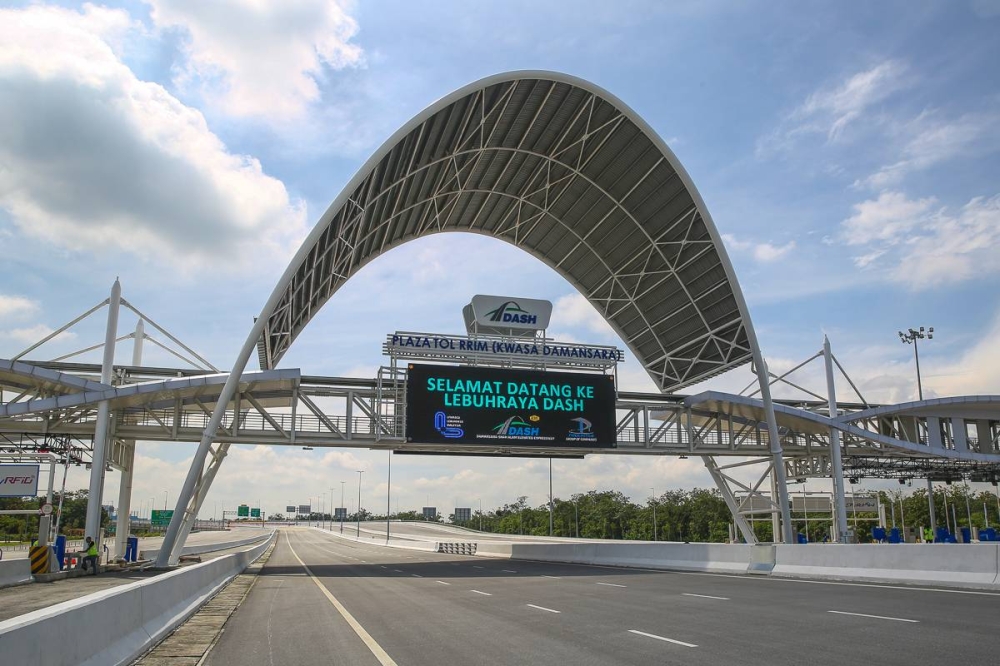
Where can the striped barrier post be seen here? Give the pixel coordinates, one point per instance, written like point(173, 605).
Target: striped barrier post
point(39, 559)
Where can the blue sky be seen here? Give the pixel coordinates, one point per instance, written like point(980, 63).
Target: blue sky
point(848, 153)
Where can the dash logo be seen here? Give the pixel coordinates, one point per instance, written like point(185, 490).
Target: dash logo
point(515, 426)
point(511, 313)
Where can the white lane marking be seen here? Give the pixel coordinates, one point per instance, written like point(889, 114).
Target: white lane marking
point(397, 570)
point(704, 596)
point(877, 617)
point(383, 566)
point(416, 575)
point(485, 594)
point(371, 643)
point(552, 577)
point(543, 608)
point(612, 584)
point(508, 571)
point(442, 582)
point(476, 566)
point(661, 638)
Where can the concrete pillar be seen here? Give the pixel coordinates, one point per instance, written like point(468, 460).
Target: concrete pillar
point(959, 435)
point(100, 455)
point(984, 436)
point(934, 433)
point(124, 525)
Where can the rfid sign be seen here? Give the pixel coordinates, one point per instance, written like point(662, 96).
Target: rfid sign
point(18, 480)
point(509, 408)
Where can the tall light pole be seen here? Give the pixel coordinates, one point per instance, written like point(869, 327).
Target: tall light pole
point(360, 472)
point(910, 337)
point(342, 509)
point(653, 495)
point(388, 496)
point(481, 514)
point(164, 500)
point(331, 509)
point(550, 497)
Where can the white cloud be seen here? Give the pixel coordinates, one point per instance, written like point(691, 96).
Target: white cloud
point(919, 245)
point(32, 334)
point(887, 219)
point(96, 159)
point(761, 252)
point(575, 311)
point(830, 110)
point(12, 307)
point(258, 57)
point(931, 140)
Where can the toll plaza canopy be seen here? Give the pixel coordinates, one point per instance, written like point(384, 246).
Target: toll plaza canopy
point(562, 169)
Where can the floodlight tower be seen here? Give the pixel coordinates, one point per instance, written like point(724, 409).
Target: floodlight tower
point(911, 337)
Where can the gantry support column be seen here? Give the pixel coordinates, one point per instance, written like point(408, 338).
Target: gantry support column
point(777, 457)
point(203, 486)
point(837, 466)
point(727, 496)
point(100, 456)
point(123, 526)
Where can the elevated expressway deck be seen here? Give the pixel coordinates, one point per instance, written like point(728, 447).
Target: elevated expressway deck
point(54, 405)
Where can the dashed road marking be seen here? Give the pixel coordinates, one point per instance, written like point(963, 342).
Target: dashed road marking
point(612, 584)
point(442, 582)
point(703, 596)
point(661, 638)
point(877, 617)
point(485, 594)
point(543, 608)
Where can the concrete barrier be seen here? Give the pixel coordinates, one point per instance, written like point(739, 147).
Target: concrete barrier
point(115, 626)
point(972, 565)
point(707, 557)
point(15, 572)
point(199, 549)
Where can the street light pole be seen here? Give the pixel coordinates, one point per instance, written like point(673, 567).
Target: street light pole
point(550, 497)
point(653, 491)
point(342, 509)
point(388, 496)
point(360, 472)
point(910, 337)
point(481, 514)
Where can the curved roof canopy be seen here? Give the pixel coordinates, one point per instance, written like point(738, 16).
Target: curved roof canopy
point(563, 170)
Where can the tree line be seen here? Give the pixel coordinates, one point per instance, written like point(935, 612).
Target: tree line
point(25, 528)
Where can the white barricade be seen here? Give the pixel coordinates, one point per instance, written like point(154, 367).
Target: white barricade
point(709, 557)
point(115, 626)
point(972, 565)
point(15, 572)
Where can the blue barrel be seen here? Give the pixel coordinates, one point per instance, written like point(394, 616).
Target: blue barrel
point(803, 538)
point(942, 535)
point(966, 535)
point(61, 549)
point(878, 534)
point(132, 549)
point(895, 535)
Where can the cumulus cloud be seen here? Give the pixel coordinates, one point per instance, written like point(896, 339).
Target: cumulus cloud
point(32, 334)
point(15, 307)
point(919, 244)
point(97, 159)
point(762, 252)
point(831, 109)
point(260, 58)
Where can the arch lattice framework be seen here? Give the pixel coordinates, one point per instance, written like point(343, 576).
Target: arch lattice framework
point(566, 172)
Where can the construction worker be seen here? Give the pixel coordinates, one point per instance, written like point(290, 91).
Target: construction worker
point(90, 554)
point(928, 535)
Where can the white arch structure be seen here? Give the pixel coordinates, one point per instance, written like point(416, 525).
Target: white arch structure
point(563, 170)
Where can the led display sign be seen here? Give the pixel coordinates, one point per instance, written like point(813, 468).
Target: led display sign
point(517, 408)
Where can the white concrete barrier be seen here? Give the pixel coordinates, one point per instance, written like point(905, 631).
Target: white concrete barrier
point(972, 565)
point(198, 549)
point(708, 557)
point(115, 626)
point(15, 572)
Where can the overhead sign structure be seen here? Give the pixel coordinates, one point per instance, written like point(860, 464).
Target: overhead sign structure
point(494, 350)
point(289, 509)
point(161, 517)
point(503, 314)
point(522, 408)
point(340, 513)
point(255, 513)
point(243, 511)
point(18, 480)
point(463, 514)
point(430, 513)
point(305, 508)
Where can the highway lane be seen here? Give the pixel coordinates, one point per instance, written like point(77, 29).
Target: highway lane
point(430, 608)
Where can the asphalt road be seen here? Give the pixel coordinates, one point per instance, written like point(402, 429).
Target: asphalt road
point(321, 599)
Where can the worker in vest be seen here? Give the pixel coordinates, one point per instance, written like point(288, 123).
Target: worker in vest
point(90, 555)
point(928, 535)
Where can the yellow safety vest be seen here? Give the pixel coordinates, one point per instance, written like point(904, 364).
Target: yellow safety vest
point(93, 549)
